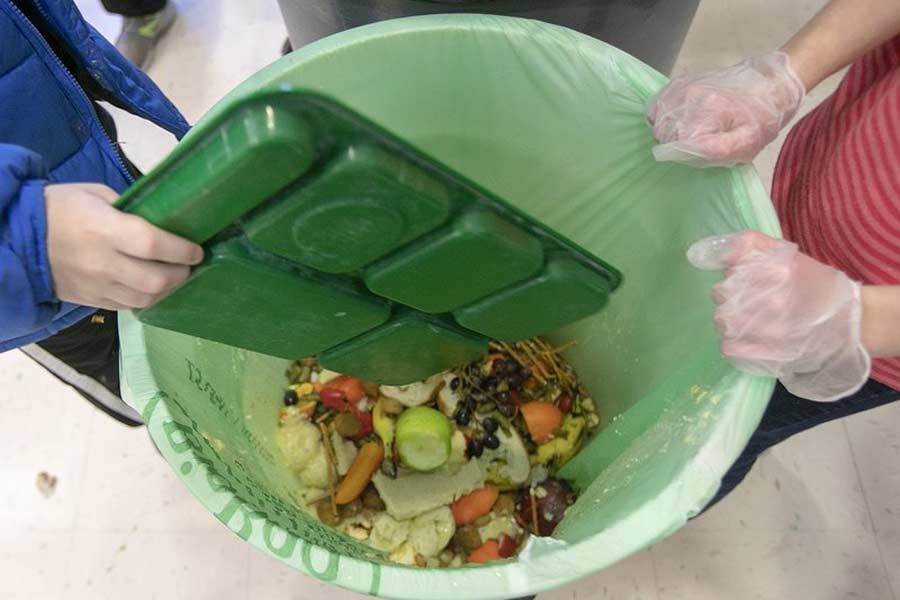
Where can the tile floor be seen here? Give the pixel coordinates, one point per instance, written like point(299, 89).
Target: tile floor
point(819, 517)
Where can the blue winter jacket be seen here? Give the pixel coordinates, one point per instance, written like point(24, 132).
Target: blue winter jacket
point(50, 133)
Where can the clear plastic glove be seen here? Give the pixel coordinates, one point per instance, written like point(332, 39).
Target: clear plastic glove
point(783, 314)
point(725, 117)
point(105, 258)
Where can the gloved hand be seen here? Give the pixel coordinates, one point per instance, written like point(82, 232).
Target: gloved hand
point(725, 117)
point(783, 314)
point(105, 258)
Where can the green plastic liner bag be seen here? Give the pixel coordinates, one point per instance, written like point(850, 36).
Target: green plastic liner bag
point(553, 122)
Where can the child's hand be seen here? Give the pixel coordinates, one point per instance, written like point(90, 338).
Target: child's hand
point(102, 257)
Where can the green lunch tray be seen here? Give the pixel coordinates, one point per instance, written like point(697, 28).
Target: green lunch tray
point(327, 236)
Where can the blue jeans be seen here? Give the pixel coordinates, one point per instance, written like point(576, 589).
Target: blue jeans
point(787, 414)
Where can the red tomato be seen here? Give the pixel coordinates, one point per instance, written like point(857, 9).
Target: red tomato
point(351, 387)
point(333, 398)
point(506, 546)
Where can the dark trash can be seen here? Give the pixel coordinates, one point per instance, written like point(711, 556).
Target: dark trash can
point(651, 30)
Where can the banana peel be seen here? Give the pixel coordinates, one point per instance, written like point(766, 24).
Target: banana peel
point(384, 426)
point(564, 445)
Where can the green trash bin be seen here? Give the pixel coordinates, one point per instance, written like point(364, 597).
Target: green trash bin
point(552, 121)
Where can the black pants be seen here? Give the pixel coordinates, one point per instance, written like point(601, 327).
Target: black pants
point(133, 8)
point(787, 415)
point(91, 347)
point(86, 357)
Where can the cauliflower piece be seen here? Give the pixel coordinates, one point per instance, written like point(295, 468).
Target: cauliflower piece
point(299, 442)
point(315, 473)
point(358, 533)
point(427, 535)
point(500, 524)
point(430, 533)
point(404, 555)
point(388, 533)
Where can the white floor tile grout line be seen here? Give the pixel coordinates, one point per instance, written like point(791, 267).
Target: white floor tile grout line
point(869, 510)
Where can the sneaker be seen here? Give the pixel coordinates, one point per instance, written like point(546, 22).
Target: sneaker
point(140, 35)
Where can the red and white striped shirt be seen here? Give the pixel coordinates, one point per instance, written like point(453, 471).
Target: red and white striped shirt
point(837, 181)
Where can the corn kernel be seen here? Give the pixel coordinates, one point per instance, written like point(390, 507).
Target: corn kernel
point(303, 389)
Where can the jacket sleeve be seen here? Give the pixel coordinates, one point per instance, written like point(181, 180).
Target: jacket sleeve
point(27, 301)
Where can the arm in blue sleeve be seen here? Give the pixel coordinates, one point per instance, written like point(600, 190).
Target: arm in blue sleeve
point(27, 301)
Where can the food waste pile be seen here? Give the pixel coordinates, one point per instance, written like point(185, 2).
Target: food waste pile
point(459, 468)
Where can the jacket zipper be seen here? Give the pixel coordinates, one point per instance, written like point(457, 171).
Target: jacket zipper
point(74, 82)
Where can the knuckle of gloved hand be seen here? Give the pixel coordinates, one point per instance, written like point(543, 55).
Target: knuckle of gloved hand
point(714, 101)
point(727, 291)
point(777, 274)
point(762, 306)
point(665, 129)
point(721, 325)
point(743, 355)
point(730, 348)
point(773, 306)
